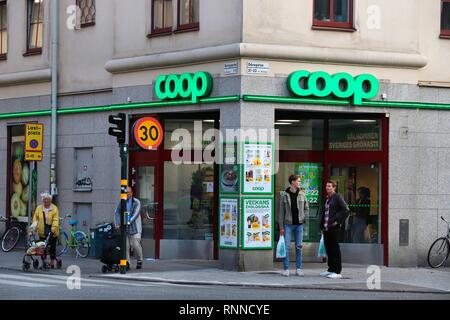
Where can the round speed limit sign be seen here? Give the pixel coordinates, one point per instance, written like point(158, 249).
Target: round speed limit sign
point(148, 133)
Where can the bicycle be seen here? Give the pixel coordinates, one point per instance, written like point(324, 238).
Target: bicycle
point(440, 249)
point(12, 234)
point(78, 240)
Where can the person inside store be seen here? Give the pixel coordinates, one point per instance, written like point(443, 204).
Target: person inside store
point(333, 218)
point(361, 217)
point(45, 221)
point(294, 209)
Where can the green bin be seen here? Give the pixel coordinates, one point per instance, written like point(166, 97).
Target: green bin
point(97, 235)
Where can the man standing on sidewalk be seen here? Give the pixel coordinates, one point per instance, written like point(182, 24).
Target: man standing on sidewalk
point(293, 211)
point(134, 229)
point(333, 218)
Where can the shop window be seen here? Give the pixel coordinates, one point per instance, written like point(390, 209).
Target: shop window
point(188, 201)
point(188, 134)
point(300, 134)
point(445, 19)
point(162, 17)
point(20, 196)
point(311, 181)
point(86, 11)
point(333, 14)
point(35, 25)
point(188, 15)
point(83, 172)
point(359, 186)
point(3, 30)
point(354, 135)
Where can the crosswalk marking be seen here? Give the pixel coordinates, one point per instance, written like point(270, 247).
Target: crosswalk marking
point(24, 284)
point(32, 279)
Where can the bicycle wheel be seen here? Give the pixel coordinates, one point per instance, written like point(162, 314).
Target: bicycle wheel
point(61, 244)
point(82, 245)
point(438, 253)
point(10, 239)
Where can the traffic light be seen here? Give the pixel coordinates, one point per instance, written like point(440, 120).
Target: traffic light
point(119, 130)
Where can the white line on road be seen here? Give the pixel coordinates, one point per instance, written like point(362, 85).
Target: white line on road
point(35, 280)
point(24, 284)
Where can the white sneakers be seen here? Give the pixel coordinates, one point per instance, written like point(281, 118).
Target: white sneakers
point(331, 275)
point(298, 272)
point(325, 274)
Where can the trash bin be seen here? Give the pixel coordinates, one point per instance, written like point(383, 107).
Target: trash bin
point(97, 235)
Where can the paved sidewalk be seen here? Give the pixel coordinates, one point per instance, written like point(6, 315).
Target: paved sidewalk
point(208, 272)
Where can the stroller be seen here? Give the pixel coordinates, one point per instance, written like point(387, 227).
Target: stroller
point(38, 250)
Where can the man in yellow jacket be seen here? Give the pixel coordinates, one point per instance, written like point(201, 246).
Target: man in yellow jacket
point(45, 220)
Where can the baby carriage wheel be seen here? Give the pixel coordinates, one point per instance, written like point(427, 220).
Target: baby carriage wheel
point(36, 263)
point(45, 265)
point(104, 269)
point(59, 263)
point(116, 269)
point(25, 266)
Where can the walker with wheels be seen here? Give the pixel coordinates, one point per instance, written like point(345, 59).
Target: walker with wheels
point(38, 250)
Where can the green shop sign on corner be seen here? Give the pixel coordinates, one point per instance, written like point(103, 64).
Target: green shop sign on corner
point(184, 86)
point(342, 85)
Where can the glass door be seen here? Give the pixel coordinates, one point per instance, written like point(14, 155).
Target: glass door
point(145, 190)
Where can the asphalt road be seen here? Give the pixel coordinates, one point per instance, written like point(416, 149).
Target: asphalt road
point(51, 286)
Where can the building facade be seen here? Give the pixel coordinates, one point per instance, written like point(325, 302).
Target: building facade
point(385, 138)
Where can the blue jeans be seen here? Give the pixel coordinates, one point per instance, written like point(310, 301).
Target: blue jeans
point(298, 235)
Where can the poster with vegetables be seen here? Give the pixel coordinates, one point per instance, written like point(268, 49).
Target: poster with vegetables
point(229, 169)
point(258, 168)
point(257, 223)
point(20, 180)
point(228, 222)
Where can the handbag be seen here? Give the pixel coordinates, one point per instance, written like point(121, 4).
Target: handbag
point(281, 248)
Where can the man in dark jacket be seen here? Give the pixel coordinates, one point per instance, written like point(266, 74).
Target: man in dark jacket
point(333, 218)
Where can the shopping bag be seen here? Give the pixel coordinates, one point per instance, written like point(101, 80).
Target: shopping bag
point(321, 253)
point(281, 248)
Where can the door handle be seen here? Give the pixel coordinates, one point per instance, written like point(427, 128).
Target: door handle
point(133, 170)
point(133, 182)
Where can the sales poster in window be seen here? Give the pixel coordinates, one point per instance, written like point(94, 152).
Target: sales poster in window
point(310, 179)
point(257, 223)
point(228, 222)
point(229, 169)
point(258, 168)
point(21, 196)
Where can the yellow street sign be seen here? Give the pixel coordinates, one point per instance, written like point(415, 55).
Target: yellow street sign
point(34, 134)
point(33, 156)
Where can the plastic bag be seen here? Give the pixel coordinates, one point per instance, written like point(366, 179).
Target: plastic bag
point(321, 253)
point(281, 248)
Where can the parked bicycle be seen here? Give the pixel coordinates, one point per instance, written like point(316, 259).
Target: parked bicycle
point(78, 240)
point(440, 249)
point(12, 234)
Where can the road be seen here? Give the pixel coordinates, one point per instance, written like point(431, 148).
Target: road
point(32, 286)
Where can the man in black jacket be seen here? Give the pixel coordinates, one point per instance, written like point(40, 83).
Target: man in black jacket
point(333, 218)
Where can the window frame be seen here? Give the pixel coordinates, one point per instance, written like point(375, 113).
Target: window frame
point(444, 33)
point(37, 50)
point(3, 56)
point(159, 32)
point(195, 26)
point(86, 24)
point(333, 25)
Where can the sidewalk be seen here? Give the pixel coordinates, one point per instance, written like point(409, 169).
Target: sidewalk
point(208, 272)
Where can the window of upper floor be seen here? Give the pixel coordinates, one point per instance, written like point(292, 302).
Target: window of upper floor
point(86, 13)
point(35, 26)
point(445, 19)
point(333, 14)
point(162, 17)
point(3, 30)
point(188, 15)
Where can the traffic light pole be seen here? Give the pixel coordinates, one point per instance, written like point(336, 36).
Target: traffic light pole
point(123, 207)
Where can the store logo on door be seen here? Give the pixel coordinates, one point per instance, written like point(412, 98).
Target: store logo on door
point(184, 86)
point(341, 85)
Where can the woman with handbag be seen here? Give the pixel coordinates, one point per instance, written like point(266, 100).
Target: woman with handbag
point(46, 220)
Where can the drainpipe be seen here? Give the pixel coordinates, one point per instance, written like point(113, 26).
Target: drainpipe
point(54, 124)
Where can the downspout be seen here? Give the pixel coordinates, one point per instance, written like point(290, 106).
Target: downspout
point(54, 93)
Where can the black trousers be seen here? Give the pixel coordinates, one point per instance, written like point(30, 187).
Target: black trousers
point(331, 241)
point(52, 247)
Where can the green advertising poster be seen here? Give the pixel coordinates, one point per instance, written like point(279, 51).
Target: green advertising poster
point(229, 169)
point(228, 222)
point(311, 180)
point(257, 223)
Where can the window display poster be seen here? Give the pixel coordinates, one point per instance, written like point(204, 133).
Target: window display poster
point(258, 168)
point(229, 169)
point(257, 223)
point(228, 222)
point(310, 179)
